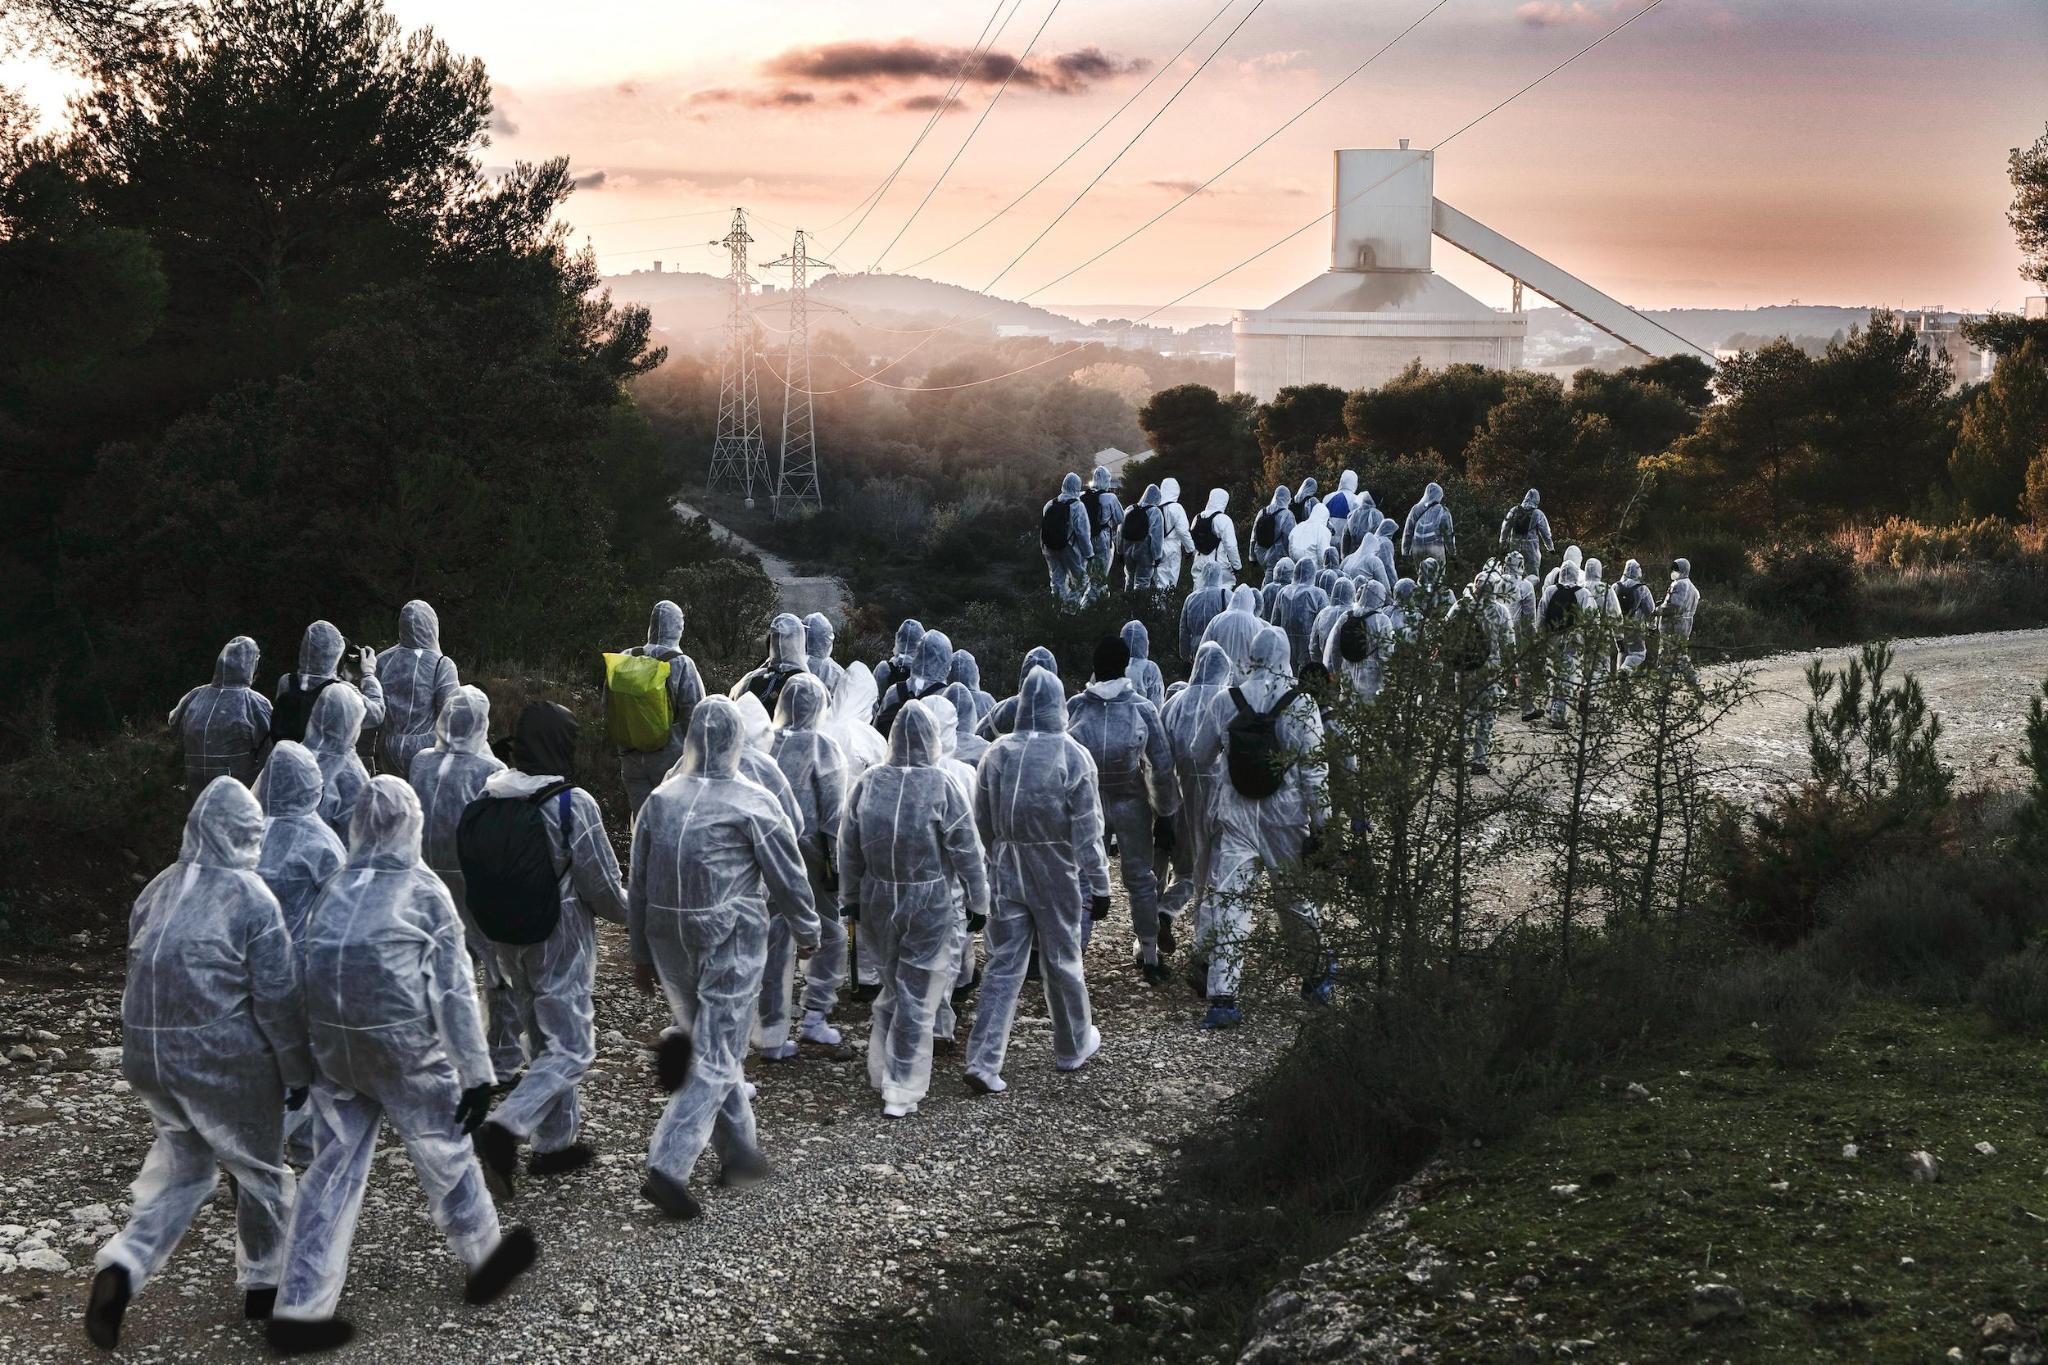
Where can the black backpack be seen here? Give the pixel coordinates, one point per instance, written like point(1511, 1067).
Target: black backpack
point(1300, 508)
point(1266, 530)
point(294, 707)
point(767, 684)
point(513, 887)
point(1562, 607)
point(1354, 640)
point(1204, 534)
point(899, 697)
point(1056, 525)
point(1635, 601)
point(1467, 645)
point(1258, 759)
point(1137, 526)
point(1521, 520)
point(1091, 499)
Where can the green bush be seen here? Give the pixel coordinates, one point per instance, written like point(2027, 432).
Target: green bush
point(1813, 584)
point(1910, 927)
point(1785, 998)
point(2013, 992)
point(1717, 559)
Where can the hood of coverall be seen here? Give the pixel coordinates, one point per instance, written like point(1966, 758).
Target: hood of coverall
point(914, 738)
point(1632, 572)
point(1595, 572)
point(337, 720)
point(1244, 599)
point(224, 827)
point(908, 637)
point(1306, 490)
point(1681, 568)
point(236, 666)
point(856, 694)
point(801, 705)
point(320, 650)
point(1281, 498)
point(963, 712)
point(386, 827)
point(464, 725)
point(1151, 498)
point(1373, 597)
point(665, 625)
point(1219, 500)
point(290, 783)
point(786, 641)
point(964, 670)
point(1212, 667)
point(1283, 571)
point(1070, 487)
point(717, 734)
point(1136, 639)
point(947, 718)
point(818, 636)
point(1102, 477)
point(1343, 593)
point(1347, 482)
point(418, 627)
point(1432, 495)
point(1038, 656)
point(1169, 490)
point(1532, 498)
point(1042, 704)
point(934, 657)
point(754, 722)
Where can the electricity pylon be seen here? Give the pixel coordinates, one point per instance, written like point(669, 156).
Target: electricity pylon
point(796, 482)
point(739, 457)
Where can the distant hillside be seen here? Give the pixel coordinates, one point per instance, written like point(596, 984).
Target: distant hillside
point(691, 306)
point(1709, 327)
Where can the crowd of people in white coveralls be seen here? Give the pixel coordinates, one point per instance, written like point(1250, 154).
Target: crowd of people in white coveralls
point(333, 950)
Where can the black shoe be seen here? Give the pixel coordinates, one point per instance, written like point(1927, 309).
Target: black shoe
point(303, 1336)
point(672, 1199)
point(1157, 973)
point(110, 1295)
point(866, 993)
point(508, 1085)
point(1031, 972)
point(257, 1303)
point(498, 1151)
point(945, 1045)
point(1532, 715)
point(1479, 770)
point(574, 1157)
point(1166, 939)
point(672, 1061)
point(515, 1254)
point(1198, 979)
point(742, 1169)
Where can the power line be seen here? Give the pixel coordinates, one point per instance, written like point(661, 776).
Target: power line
point(1157, 114)
point(972, 59)
point(1100, 128)
point(1270, 247)
point(986, 110)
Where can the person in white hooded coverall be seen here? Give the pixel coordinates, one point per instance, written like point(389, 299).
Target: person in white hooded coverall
point(1311, 536)
point(319, 669)
point(819, 635)
point(447, 778)
point(1270, 529)
point(1429, 533)
point(786, 659)
point(417, 679)
point(300, 850)
point(1179, 541)
point(758, 765)
point(1527, 529)
point(1186, 713)
point(1279, 578)
point(331, 734)
point(1215, 524)
point(1209, 600)
point(1144, 671)
point(1356, 651)
point(1342, 594)
point(907, 839)
point(1561, 614)
point(1637, 611)
point(1041, 821)
point(1068, 542)
point(1105, 520)
point(967, 672)
point(213, 1039)
point(1251, 834)
point(643, 772)
point(1343, 502)
point(712, 856)
point(391, 1013)
point(554, 980)
point(898, 665)
point(225, 723)
point(1675, 617)
point(965, 756)
point(847, 721)
point(1236, 628)
point(817, 772)
point(1122, 732)
point(960, 956)
point(930, 669)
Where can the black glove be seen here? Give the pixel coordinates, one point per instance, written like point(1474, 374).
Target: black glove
point(475, 1106)
point(831, 876)
point(1162, 834)
point(1311, 844)
point(850, 914)
point(976, 923)
point(1098, 906)
point(295, 1098)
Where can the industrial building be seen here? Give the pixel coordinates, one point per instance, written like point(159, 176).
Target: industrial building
point(1380, 305)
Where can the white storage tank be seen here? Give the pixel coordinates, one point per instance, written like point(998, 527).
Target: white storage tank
point(1380, 306)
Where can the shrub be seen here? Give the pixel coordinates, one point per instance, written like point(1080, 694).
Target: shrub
point(1814, 584)
point(1907, 926)
point(1783, 996)
point(726, 602)
point(2013, 992)
point(1715, 558)
point(1902, 543)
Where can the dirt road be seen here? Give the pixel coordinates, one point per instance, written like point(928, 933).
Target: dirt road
point(862, 1213)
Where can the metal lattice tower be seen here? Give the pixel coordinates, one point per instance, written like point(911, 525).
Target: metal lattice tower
point(796, 483)
point(739, 457)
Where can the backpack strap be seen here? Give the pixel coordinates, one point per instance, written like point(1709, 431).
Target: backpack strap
point(1287, 699)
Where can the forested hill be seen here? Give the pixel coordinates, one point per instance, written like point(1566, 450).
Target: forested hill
point(685, 303)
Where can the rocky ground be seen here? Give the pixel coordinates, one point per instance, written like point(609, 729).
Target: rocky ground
point(864, 1213)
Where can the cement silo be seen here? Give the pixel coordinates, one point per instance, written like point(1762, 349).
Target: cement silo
point(1380, 306)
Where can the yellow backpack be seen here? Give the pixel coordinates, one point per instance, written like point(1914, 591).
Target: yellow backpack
point(636, 707)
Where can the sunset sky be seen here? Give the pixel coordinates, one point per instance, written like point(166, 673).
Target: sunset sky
point(1718, 153)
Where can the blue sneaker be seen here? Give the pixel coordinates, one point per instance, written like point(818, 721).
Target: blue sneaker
point(1222, 1016)
point(1319, 990)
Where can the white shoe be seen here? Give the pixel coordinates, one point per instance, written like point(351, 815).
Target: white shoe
point(781, 1052)
point(1091, 1045)
point(815, 1030)
point(987, 1085)
point(898, 1111)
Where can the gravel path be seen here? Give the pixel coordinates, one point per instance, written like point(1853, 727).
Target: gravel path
point(862, 1213)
